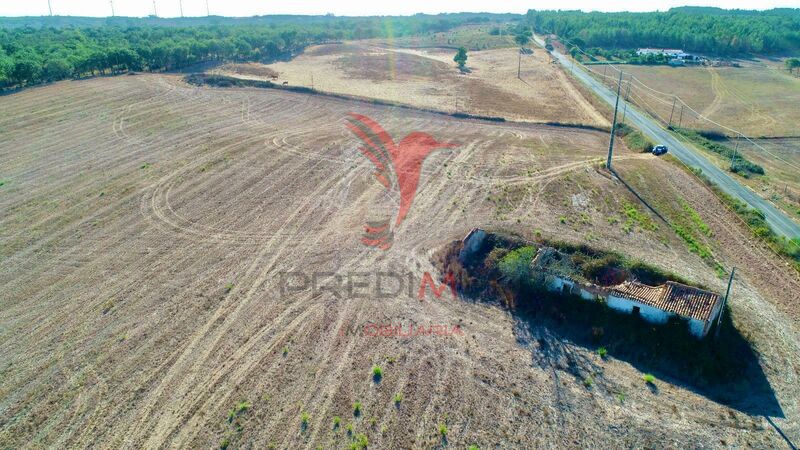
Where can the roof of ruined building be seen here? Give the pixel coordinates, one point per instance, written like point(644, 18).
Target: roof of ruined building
point(686, 301)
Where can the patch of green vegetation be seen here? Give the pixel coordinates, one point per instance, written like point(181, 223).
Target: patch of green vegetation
point(145, 166)
point(515, 265)
point(757, 223)
point(228, 288)
point(634, 139)
point(603, 352)
point(2, 183)
point(224, 444)
point(696, 219)
point(304, 419)
point(588, 382)
point(377, 373)
point(443, 429)
point(739, 164)
point(692, 243)
point(239, 409)
point(360, 442)
point(398, 398)
point(636, 217)
point(357, 408)
point(336, 422)
point(649, 378)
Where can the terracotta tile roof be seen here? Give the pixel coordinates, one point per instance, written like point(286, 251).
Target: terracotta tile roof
point(672, 297)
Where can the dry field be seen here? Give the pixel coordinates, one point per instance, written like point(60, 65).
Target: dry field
point(428, 78)
point(146, 223)
point(755, 99)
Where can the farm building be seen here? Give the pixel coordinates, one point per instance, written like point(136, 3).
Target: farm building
point(660, 51)
point(655, 304)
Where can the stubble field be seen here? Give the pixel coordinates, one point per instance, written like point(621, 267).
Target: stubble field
point(147, 223)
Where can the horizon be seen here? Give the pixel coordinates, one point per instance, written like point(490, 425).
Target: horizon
point(248, 8)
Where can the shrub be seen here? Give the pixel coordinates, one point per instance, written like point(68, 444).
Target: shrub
point(361, 442)
point(357, 408)
point(443, 429)
point(336, 421)
point(515, 266)
point(602, 351)
point(377, 373)
point(648, 378)
point(398, 398)
point(588, 382)
point(304, 418)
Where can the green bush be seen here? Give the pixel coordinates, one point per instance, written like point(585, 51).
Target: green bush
point(515, 266)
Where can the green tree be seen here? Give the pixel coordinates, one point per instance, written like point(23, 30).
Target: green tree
point(461, 57)
point(56, 69)
point(516, 265)
point(792, 63)
point(26, 70)
point(522, 37)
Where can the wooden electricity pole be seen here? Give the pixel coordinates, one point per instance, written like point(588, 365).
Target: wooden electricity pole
point(180, 5)
point(614, 123)
point(111, 2)
point(674, 99)
point(519, 63)
point(627, 95)
point(208, 11)
point(724, 301)
point(680, 118)
point(50, 7)
point(735, 150)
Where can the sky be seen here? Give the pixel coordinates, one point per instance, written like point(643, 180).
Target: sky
point(171, 8)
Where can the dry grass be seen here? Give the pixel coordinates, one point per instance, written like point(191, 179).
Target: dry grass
point(758, 100)
point(146, 222)
point(428, 78)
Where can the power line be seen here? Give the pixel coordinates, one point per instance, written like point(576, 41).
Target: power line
point(698, 115)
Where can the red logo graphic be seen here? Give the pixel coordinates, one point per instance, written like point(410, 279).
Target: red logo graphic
point(397, 167)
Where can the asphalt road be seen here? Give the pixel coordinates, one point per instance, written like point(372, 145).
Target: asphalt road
point(779, 222)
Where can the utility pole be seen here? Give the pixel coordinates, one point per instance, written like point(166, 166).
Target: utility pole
point(519, 63)
point(312, 81)
point(155, 12)
point(180, 4)
point(674, 99)
point(680, 119)
point(50, 8)
point(735, 149)
point(112, 7)
point(614, 123)
point(724, 301)
point(627, 95)
point(208, 11)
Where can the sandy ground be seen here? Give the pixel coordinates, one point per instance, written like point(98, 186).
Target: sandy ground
point(428, 78)
point(146, 224)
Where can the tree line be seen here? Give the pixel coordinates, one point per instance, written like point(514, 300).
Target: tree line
point(710, 31)
point(30, 55)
